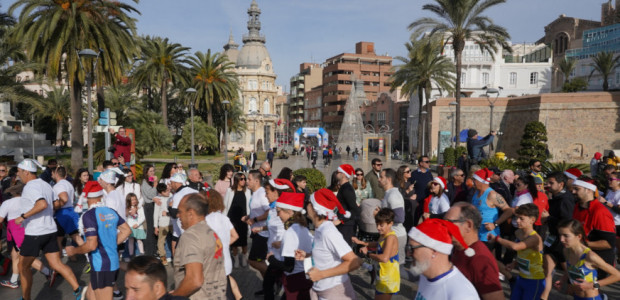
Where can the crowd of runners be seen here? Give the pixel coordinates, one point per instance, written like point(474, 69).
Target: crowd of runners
point(458, 237)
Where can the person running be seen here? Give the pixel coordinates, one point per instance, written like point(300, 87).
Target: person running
point(40, 229)
point(104, 229)
point(388, 283)
point(65, 215)
point(257, 217)
point(531, 281)
point(297, 236)
point(177, 184)
point(332, 258)
point(9, 211)
point(582, 264)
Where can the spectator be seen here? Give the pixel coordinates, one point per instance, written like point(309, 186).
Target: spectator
point(224, 181)
point(129, 186)
point(252, 159)
point(594, 164)
point(81, 178)
point(149, 192)
point(572, 174)
point(265, 172)
point(475, 145)
point(612, 159)
point(457, 190)
point(613, 202)
point(199, 271)
point(161, 220)
point(135, 220)
point(481, 267)
point(286, 173)
point(346, 196)
point(373, 178)
point(256, 218)
point(236, 206)
point(146, 279)
point(46, 175)
point(437, 202)
point(177, 184)
point(122, 143)
point(169, 170)
point(420, 179)
point(270, 156)
point(536, 168)
point(362, 187)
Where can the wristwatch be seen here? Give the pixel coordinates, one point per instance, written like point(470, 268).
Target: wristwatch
point(596, 285)
point(23, 216)
point(496, 225)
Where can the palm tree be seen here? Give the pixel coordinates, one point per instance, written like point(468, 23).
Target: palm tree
point(214, 79)
point(458, 21)
point(122, 100)
point(423, 67)
point(567, 66)
point(160, 63)
point(604, 63)
point(55, 105)
point(52, 31)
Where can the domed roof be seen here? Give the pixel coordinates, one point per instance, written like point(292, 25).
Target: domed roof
point(252, 55)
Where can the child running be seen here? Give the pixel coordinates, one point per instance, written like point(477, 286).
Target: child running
point(531, 281)
point(135, 220)
point(388, 281)
point(582, 263)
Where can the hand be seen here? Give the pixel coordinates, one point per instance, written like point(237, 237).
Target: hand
point(156, 231)
point(157, 201)
point(315, 274)
point(256, 230)
point(270, 254)
point(336, 222)
point(426, 216)
point(111, 130)
point(70, 250)
point(135, 226)
point(276, 244)
point(364, 250)
point(509, 267)
point(489, 226)
point(491, 238)
point(357, 241)
point(164, 213)
point(582, 285)
point(413, 197)
point(19, 220)
point(121, 160)
point(545, 214)
point(300, 254)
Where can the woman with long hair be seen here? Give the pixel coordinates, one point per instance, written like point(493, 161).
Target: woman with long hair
point(403, 173)
point(286, 173)
point(130, 186)
point(225, 179)
point(334, 184)
point(582, 263)
point(169, 170)
point(148, 190)
point(236, 206)
point(407, 190)
point(437, 202)
point(81, 178)
point(363, 190)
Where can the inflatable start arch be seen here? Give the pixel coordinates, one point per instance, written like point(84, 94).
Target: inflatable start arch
point(320, 133)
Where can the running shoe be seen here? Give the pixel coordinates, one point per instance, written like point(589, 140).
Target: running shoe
point(86, 269)
point(118, 295)
point(9, 284)
point(80, 293)
point(52, 278)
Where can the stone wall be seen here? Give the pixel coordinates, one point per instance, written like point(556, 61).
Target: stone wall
point(578, 124)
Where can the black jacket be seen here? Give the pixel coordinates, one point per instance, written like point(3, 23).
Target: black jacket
point(561, 207)
point(346, 196)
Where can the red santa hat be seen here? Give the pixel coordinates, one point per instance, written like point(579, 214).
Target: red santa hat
point(326, 204)
point(347, 170)
point(441, 181)
point(292, 201)
point(588, 184)
point(437, 234)
point(92, 189)
point(282, 184)
point(483, 175)
point(573, 173)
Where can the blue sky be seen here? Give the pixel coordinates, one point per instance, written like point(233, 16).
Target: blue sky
point(313, 30)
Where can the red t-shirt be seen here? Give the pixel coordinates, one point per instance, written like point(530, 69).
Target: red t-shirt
point(481, 269)
point(123, 147)
point(542, 201)
point(596, 216)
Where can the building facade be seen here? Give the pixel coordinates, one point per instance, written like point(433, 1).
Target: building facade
point(309, 77)
point(258, 90)
point(313, 107)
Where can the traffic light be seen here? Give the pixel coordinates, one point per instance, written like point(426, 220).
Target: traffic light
point(107, 117)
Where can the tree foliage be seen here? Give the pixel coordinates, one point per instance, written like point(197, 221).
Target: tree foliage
point(567, 66)
point(314, 178)
point(56, 106)
point(604, 63)
point(534, 143)
point(151, 134)
point(576, 85)
point(205, 137)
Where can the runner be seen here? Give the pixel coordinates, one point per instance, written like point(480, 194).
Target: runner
point(65, 216)
point(259, 210)
point(104, 229)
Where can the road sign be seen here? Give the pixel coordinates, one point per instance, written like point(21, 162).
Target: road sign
point(100, 128)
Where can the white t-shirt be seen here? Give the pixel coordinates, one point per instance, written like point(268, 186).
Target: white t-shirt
point(276, 231)
point(296, 237)
point(259, 204)
point(393, 199)
point(222, 226)
point(43, 222)
point(439, 205)
point(524, 198)
point(177, 230)
point(454, 285)
point(614, 198)
point(12, 208)
point(116, 201)
point(132, 187)
point(327, 252)
point(64, 186)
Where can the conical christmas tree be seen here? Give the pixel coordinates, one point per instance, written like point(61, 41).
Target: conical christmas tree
point(352, 129)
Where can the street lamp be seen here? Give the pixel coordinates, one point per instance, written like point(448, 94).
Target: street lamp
point(490, 91)
point(89, 53)
point(456, 134)
point(402, 140)
point(225, 103)
point(423, 113)
point(191, 91)
point(411, 136)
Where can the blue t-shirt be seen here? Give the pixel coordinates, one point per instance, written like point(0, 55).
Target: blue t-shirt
point(102, 222)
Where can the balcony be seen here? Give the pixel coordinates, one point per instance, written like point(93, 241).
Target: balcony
point(300, 86)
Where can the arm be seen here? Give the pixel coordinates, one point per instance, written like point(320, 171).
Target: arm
point(141, 217)
point(349, 196)
point(350, 262)
point(498, 201)
point(90, 245)
point(599, 263)
point(156, 215)
point(192, 281)
point(287, 265)
point(234, 236)
point(148, 192)
point(62, 199)
point(530, 242)
point(123, 233)
point(390, 248)
point(598, 245)
point(39, 206)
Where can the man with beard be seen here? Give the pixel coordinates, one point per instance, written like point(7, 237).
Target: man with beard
point(431, 243)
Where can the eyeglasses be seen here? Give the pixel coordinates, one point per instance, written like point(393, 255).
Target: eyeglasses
point(175, 167)
point(360, 174)
point(426, 161)
point(407, 171)
point(242, 179)
point(460, 175)
point(409, 248)
point(456, 221)
point(115, 164)
point(379, 165)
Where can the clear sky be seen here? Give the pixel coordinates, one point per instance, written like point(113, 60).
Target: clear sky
point(300, 31)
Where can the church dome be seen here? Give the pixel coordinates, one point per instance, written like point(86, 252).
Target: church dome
point(252, 55)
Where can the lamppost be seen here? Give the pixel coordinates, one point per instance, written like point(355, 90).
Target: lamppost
point(490, 91)
point(225, 103)
point(456, 134)
point(402, 140)
point(89, 53)
point(191, 91)
point(423, 113)
point(411, 136)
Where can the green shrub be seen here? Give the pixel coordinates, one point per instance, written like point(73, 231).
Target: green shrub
point(315, 179)
point(459, 151)
point(499, 163)
point(449, 158)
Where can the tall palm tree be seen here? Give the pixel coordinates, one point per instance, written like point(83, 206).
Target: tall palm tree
point(458, 21)
point(423, 67)
point(160, 64)
point(566, 66)
point(55, 105)
point(52, 31)
point(604, 63)
point(122, 100)
point(214, 79)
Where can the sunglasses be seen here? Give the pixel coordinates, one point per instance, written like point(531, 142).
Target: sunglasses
point(610, 179)
point(407, 171)
point(460, 175)
point(456, 221)
point(242, 179)
point(426, 161)
point(360, 174)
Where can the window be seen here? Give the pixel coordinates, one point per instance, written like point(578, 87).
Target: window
point(266, 110)
point(252, 84)
point(381, 118)
point(513, 78)
point(485, 78)
point(463, 78)
point(534, 78)
point(253, 106)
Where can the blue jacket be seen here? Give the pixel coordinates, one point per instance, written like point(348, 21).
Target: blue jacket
point(474, 147)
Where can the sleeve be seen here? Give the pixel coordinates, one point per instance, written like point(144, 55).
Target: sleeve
point(348, 195)
point(338, 245)
point(427, 202)
point(603, 221)
point(4, 209)
point(397, 204)
point(148, 192)
point(290, 243)
point(192, 252)
point(444, 204)
point(121, 221)
point(228, 200)
point(156, 214)
point(141, 217)
point(89, 222)
point(486, 284)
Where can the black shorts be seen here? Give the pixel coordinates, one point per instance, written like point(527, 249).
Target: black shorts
point(556, 251)
point(11, 245)
point(34, 244)
point(103, 279)
point(618, 230)
point(258, 252)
